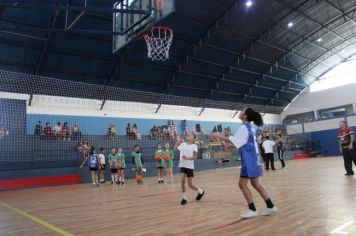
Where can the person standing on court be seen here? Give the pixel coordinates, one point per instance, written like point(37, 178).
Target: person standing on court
point(188, 154)
point(280, 150)
point(251, 169)
point(346, 139)
point(268, 147)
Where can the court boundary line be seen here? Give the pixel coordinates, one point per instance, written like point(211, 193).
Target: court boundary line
point(36, 220)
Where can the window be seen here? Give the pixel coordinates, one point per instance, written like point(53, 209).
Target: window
point(299, 118)
point(335, 111)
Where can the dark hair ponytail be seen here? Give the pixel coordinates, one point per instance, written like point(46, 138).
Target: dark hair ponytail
point(92, 150)
point(254, 116)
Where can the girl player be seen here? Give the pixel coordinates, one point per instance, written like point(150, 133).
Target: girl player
point(169, 163)
point(102, 165)
point(93, 161)
point(251, 169)
point(159, 153)
point(113, 159)
point(137, 161)
point(188, 153)
point(121, 160)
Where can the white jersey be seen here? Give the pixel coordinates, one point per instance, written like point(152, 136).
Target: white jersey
point(188, 151)
point(102, 159)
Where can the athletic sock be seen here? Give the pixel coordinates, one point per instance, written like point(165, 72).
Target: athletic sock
point(184, 196)
point(113, 178)
point(200, 191)
point(269, 203)
point(252, 206)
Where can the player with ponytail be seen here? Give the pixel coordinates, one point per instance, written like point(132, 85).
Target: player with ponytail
point(251, 169)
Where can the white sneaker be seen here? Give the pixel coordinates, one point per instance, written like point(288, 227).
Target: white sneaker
point(249, 214)
point(269, 211)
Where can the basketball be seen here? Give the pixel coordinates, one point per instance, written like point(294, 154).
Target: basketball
point(117, 165)
point(166, 157)
point(138, 178)
point(157, 157)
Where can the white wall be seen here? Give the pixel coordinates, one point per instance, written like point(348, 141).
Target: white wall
point(333, 97)
point(54, 105)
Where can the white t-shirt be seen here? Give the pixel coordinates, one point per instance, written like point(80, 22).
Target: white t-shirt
point(268, 146)
point(187, 150)
point(102, 159)
point(240, 138)
point(57, 129)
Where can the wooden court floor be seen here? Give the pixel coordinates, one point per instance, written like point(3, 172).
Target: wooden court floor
point(313, 196)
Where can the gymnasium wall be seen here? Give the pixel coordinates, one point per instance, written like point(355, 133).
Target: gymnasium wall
point(323, 131)
point(333, 97)
point(94, 121)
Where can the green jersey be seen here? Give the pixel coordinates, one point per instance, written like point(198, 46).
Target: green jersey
point(137, 159)
point(121, 160)
point(113, 158)
point(159, 163)
point(169, 163)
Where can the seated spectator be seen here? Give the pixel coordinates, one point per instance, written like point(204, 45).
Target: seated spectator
point(186, 132)
point(57, 130)
point(215, 129)
point(80, 146)
point(133, 132)
point(159, 131)
point(172, 134)
point(85, 147)
point(138, 135)
point(128, 129)
point(48, 130)
point(65, 134)
point(202, 133)
point(38, 129)
point(112, 131)
point(76, 133)
point(154, 132)
point(194, 134)
point(165, 134)
point(228, 132)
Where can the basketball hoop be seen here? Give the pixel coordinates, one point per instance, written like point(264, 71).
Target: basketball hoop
point(158, 40)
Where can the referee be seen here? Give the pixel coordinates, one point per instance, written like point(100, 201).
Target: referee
point(346, 144)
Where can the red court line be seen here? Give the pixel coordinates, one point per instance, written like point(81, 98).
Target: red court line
point(20, 183)
point(229, 224)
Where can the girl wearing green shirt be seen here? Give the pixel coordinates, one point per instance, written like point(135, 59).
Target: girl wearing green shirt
point(158, 156)
point(137, 160)
point(169, 163)
point(121, 160)
point(113, 159)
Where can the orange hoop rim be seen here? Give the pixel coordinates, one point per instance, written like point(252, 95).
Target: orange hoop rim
point(158, 27)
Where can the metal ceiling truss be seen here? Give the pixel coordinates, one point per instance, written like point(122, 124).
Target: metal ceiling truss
point(305, 16)
point(259, 41)
point(250, 46)
point(310, 35)
point(337, 47)
point(197, 46)
point(267, 34)
point(193, 48)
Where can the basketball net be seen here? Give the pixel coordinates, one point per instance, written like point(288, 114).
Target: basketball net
point(158, 40)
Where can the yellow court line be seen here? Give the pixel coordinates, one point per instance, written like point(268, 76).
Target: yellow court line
point(37, 220)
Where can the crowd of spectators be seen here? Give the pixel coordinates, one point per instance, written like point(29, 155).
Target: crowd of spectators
point(59, 131)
